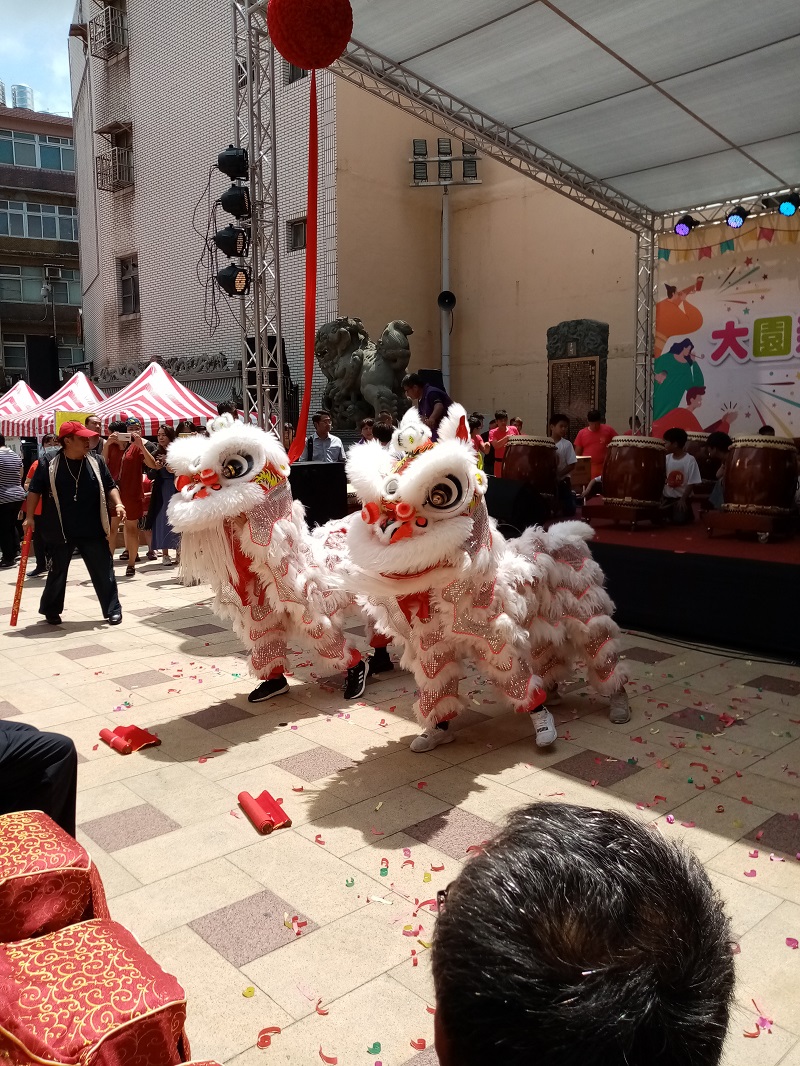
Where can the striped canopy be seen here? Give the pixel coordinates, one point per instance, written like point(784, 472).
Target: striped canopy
point(77, 394)
point(156, 399)
point(18, 400)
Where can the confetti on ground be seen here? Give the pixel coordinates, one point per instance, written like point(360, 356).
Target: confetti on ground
point(349, 882)
point(419, 1045)
point(749, 873)
point(792, 942)
point(298, 789)
point(318, 839)
point(249, 992)
point(375, 1049)
point(322, 1011)
point(266, 1035)
point(331, 1060)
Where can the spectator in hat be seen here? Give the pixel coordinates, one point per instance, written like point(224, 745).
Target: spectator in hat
point(11, 496)
point(77, 492)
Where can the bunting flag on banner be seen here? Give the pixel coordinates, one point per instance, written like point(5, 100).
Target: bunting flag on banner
point(705, 252)
point(779, 230)
point(663, 253)
point(726, 246)
point(766, 234)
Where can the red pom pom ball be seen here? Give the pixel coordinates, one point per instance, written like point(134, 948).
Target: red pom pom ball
point(310, 33)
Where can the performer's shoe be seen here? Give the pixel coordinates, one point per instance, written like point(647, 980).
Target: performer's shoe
point(544, 727)
point(431, 739)
point(115, 618)
point(379, 662)
point(356, 681)
point(619, 710)
point(267, 689)
point(37, 573)
point(53, 619)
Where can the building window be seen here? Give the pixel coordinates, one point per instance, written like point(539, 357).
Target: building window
point(70, 352)
point(21, 285)
point(38, 221)
point(36, 150)
point(294, 73)
point(15, 358)
point(129, 285)
point(296, 234)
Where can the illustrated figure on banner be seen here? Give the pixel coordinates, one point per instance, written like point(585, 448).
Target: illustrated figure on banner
point(687, 418)
point(676, 316)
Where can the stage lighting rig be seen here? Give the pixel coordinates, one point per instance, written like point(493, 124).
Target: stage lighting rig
point(685, 225)
point(736, 217)
point(236, 201)
point(789, 205)
point(232, 241)
point(233, 162)
point(235, 280)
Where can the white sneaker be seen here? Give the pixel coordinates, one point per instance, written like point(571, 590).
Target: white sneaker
point(619, 710)
point(431, 739)
point(544, 727)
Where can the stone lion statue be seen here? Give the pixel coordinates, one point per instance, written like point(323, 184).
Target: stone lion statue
point(364, 379)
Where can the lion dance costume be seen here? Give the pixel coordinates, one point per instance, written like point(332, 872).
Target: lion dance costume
point(242, 533)
point(431, 571)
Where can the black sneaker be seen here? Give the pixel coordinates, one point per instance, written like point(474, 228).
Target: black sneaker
point(356, 681)
point(53, 619)
point(267, 689)
point(379, 662)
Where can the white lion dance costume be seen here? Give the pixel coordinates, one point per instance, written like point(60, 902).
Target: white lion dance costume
point(242, 533)
point(432, 572)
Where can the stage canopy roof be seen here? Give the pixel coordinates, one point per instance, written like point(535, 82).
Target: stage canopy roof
point(18, 399)
point(77, 394)
point(670, 103)
point(156, 398)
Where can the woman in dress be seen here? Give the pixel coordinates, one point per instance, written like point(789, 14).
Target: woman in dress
point(164, 537)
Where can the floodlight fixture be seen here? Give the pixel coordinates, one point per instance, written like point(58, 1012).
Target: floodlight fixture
point(685, 225)
point(445, 146)
point(232, 241)
point(233, 162)
point(789, 205)
point(445, 170)
point(236, 201)
point(234, 280)
point(736, 217)
point(420, 148)
point(420, 171)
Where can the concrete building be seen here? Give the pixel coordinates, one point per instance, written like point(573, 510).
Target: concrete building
point(153, 108)
point(40, 288)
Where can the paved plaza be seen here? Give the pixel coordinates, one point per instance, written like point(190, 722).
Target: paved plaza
point(302, 930)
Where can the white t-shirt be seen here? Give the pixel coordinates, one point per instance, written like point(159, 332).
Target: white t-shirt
point(566, 455)
point(680, 473)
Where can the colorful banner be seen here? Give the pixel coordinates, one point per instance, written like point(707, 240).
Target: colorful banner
point(727, 350)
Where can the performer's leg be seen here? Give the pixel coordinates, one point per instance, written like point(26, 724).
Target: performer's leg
point(38, 771)
point(268, 661)
point(52, 602)
point(380, 661)
point(99, 563)
point(597, 646)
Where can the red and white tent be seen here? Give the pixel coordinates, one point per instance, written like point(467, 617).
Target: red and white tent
point(18, 400)
point(156, 399)
point(77, 394)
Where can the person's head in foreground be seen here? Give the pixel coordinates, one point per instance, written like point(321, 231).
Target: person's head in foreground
point(383, 433)
point(76, 439)
point(579, 937)
point(559, 426)
point(766, 431)
point(675, 440)
point(595, 420)
point(92, 422)
point(718, 444)
point(413, 386)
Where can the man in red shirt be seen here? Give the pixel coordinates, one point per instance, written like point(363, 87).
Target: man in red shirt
point(593, 441)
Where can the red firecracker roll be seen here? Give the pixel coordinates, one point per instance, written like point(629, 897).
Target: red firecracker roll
point(265, 812)
point(128, 738)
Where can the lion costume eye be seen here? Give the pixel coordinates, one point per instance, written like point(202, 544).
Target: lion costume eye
point(391, 487)
point(445, 494)
point(236, 466)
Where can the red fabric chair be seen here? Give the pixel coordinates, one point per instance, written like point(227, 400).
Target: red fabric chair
point(47, 880)
point(89, 995)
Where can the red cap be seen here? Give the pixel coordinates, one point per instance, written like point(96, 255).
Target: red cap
point(77, 429)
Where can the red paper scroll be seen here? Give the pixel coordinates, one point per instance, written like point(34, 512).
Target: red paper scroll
point(264, 812)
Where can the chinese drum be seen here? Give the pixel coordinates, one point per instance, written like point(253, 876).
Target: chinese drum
point(634, 472)
point(761, 475)
point(696, 446)
point(533, 460)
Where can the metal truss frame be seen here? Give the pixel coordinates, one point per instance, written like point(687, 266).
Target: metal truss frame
point(254, 129)
point(646, 252)
point(708, 214)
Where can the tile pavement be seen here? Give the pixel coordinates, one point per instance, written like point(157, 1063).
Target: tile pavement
point(714, 743)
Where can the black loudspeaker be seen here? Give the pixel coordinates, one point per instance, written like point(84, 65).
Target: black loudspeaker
point(515, 505)
point(432, 377)
point(322, 489)
point(446, 300)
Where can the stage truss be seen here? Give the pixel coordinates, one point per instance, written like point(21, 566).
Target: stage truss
point(254, 68)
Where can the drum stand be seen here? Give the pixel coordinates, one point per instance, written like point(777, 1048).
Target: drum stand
point(632, 513)
point(780, 525)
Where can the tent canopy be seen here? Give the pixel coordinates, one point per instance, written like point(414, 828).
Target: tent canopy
point(77, 394)
point(672, 103)
point(156, 398)
point(18, 399)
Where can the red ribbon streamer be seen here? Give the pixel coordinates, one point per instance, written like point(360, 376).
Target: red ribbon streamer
point(299, 442)
point(23, 563)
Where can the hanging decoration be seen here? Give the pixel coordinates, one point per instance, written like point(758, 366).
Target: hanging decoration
point(310, 34)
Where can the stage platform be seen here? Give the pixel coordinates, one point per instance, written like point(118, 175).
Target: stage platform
point(725, 591)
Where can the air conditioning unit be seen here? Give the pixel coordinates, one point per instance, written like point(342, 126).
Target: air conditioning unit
point(53, 273)
point(108, 33)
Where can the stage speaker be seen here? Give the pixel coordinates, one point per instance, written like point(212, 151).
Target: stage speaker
point(515, 505)
point(322, 489)
point(432, 377)
point(446, 300)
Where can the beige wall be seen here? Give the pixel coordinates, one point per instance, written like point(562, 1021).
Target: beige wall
point(523, 258)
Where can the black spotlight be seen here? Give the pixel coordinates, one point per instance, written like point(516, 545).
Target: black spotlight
point(233, 162)
point(789, 205)
point(685, 225)
point(446, 300)
point(232, 241)
point(736, 217)
point(236, 201)
point(234, 280)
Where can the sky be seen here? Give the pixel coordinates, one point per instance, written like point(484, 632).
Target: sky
point(33, 50)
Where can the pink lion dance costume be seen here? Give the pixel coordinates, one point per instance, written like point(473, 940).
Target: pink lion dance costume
point(432, 572)
point(242, 533)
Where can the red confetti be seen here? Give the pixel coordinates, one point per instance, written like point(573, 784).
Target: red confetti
point(414, 959)
point(759, 834)
point(688, 825)
point(266, 1035)
point(330, 1059)
point(419, 1045)
point(746, 800)
point(792, 942)
point(752, 854)
point(437, 869)
point(299, 789)
point(702, 765)
point(95, 747)
point(715, 780)
point(318, 839)
point(720, 809)
point(700, 788)
point(749, 873)
point(477, 848)
point(754, 1035)
point(321, 1010)
point(638, 740)
point(430, 1010)
point(422, 784)
point(377, 832)
point(408, 862)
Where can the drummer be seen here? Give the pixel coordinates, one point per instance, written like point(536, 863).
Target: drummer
point(498, 439)
point(567, 461)
point(593, 441)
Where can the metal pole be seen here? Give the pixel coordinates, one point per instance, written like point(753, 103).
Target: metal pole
point(445, 315)
point(237, 141)
point(254, 158)
point(272, 208)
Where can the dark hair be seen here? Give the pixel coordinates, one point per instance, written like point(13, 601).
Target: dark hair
point(580, 937)
point(413, 379)
point(2, 441)
point(676, 436)
point(679, 346)
point(695, 390)
point(500, 416)
point(475, 423)
point(634, 418)
point(227, 407)
point(168, 432)
point(720, 441)
point(594, 416)
point(382, 433)
point(49, 440)
point(117, 427)
point(367, 422)
point(556, 418)
point(186, 425)
point(766, 431)
point(316, 418)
